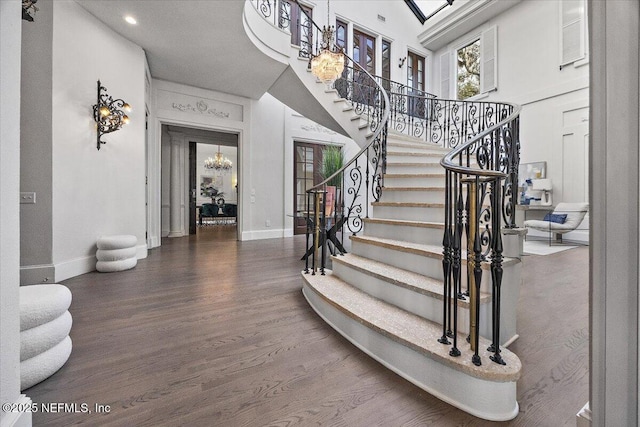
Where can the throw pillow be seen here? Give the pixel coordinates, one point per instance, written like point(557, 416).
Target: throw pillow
point(559, 218)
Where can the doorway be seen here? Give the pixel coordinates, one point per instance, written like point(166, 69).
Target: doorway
point(200, 181)
point(306, 173)
point(213, 186)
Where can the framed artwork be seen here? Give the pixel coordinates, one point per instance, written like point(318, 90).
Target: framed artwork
point(210, 185)
point(535, 170)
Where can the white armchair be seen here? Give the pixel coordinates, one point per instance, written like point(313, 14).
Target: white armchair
point(573, 214)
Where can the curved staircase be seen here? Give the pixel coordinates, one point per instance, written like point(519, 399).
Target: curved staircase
point(391, 294)
point(386, 295)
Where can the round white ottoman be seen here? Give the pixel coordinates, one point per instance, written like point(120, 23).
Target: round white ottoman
point(116, 253)
point(45, 323)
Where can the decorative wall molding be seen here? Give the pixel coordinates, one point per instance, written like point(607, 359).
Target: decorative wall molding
point(201, 107)
point(198, 105)
point(317, 128)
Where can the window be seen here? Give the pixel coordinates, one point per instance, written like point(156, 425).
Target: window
point(415, 72)
point(415, 84)
point(364, 51)
point(341, 35)
point(572, 36)
point(386, 64)
point(474, 66)
point(293, 18)
point(468, 70)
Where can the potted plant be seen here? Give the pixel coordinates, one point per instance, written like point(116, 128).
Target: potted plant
point(332, 162)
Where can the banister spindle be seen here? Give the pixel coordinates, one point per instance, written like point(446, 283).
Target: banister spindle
point(446, 258)
point(496, 271)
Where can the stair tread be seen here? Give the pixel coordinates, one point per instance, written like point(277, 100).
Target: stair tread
point(399, 277)
point(412, 154)
point(410, 223)
point(431, 251)
point(409, 204)
point(414, 175)
point(426, 164)
point(410, 330)
point(440, 189)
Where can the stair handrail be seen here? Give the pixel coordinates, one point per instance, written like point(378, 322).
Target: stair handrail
point(378, 112)
point(497, 153)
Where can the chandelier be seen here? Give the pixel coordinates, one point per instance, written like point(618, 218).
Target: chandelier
point(219, 162)
point(329, 64)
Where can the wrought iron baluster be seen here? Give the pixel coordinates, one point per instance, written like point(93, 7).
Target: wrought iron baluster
point(446, 258)
point(496, 275)
point(323, 230)
point(457, 237)
point(477, 274)
point(309, 231)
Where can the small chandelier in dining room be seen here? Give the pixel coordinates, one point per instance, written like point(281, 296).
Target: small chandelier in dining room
point(329, 63)
point(219, 162)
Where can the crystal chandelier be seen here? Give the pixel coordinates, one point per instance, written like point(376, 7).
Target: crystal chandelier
point(329, 64)
point(219, 162)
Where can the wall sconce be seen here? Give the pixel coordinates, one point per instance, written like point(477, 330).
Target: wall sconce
point(108, 113)
point(401, 62)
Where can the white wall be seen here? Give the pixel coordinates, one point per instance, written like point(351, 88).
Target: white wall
point(36, 248)
point(95, 192)
point(10, 38)
point(552, 99)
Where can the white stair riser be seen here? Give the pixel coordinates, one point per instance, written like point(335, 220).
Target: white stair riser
point(411, 213)
point(414, 181)
point(406, 233)
point(414, 168)
point(412, 196)
point(396, 157)
point(482, 398)
point(428, 266)
point(426, 306)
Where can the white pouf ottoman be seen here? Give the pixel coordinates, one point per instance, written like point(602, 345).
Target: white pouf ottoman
point(45, 323)
point(116, 253)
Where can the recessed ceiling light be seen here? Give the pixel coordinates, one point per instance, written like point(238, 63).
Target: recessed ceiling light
point(130, 19)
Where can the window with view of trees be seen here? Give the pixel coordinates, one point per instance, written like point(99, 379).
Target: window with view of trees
point(468, 70)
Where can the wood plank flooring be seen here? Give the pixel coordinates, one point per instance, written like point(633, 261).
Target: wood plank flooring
point(209, 331)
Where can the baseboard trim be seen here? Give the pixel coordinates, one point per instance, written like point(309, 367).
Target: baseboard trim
point(54, 273)
point(19, 418)
point(262, 234)
point(75, 267)
point(35, 274)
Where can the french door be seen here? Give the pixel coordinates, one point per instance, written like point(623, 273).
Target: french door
point(306, 173)
point(415, 84)
point(293, 18)
point(364, 53)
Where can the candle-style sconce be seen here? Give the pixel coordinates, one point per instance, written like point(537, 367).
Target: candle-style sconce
point(109, 114)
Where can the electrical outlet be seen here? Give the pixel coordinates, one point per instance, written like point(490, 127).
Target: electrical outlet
point(28, 198)
point(253, 199)
point(267, 223)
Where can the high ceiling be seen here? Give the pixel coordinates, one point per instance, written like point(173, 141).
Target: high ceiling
point(184, 41)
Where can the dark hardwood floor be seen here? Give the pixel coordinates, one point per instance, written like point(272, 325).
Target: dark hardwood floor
point(209, 331)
